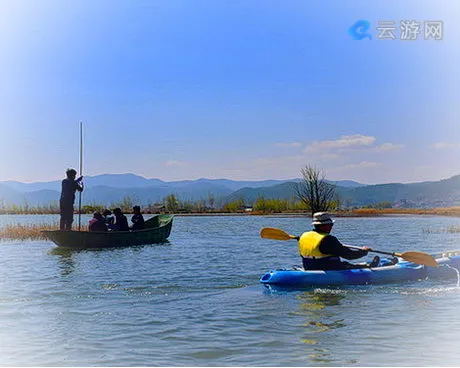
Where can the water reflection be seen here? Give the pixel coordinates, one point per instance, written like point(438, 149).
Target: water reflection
point(65, 258)
point(319, 319)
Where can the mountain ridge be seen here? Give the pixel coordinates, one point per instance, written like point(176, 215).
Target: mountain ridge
point(112, 188)
point(130, 180)
point(429, 194)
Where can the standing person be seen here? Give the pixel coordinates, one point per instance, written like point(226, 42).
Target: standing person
point(321, 251)
point(97, 223)
point(121, 222)
point(137, 219)
point(69, 187)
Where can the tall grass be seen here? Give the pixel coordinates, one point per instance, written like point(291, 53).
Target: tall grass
point(448, 229)
point(448, 211)
point(29, 231)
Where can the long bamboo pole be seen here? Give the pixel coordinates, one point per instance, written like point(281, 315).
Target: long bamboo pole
point(81, 173)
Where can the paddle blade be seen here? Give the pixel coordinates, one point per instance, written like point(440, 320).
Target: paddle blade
point(419, 258)
point(275, 234)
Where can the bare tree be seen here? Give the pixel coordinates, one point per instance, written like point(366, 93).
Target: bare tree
point(314, 190)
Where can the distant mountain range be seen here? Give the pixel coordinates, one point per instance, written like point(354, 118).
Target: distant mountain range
point(443, 193)
point(107, 189)
point(112, 188)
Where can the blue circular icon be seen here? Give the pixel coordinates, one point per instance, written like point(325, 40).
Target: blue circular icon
point(359, 30)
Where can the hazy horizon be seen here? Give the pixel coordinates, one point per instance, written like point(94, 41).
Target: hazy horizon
point(217, 178)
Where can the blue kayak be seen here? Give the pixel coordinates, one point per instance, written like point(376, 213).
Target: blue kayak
point(386, 272)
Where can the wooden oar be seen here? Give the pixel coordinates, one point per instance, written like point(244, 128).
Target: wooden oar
point(412, 256)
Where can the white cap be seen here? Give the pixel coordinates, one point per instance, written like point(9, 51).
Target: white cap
point(322, 218)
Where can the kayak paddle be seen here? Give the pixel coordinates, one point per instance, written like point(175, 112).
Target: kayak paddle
point(412, 256)
point(276, 234)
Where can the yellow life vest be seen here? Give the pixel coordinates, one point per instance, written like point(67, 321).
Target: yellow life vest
point(309, 244)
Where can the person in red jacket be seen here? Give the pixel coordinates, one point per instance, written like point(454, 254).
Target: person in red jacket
point(97, 223)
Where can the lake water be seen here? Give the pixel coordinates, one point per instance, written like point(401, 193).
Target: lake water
point(197, 301)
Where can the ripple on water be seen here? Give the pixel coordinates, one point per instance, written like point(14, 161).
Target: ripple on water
point(197, 301)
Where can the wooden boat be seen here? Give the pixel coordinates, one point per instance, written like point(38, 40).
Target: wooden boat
point(157, 230)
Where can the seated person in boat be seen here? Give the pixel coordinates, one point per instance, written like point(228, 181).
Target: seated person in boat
point(97, 223)
point(321, 251)
point(137, 219)
point(121, 222)
point(109, 219)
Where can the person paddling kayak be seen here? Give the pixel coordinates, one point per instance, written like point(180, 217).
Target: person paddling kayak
point(321, 251)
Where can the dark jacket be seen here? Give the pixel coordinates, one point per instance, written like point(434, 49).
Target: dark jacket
point(138, 221)
point(69, 187)
point(121, 223)
point(331, 245)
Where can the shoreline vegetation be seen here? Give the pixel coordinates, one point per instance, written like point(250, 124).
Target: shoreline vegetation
point(312, 194)
point(261, 206)
point(19, 231)
point(355, 212)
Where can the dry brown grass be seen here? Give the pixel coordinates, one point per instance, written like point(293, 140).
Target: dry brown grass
point(453, 229)
point(33, 231)
point(448, 211)
point(28, 232)
point(448, 229)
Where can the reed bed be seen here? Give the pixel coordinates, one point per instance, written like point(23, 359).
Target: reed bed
point(29, 231)
point(453, 229)
point(448, 229)
point(33, 231)
point(448, 211)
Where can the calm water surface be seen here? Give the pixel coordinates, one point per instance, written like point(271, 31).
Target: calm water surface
point(196, 300)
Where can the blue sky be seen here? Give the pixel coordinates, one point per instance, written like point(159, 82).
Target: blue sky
point(227, 89)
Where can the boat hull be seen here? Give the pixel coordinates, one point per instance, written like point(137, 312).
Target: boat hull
point(400, 272)
point(85, 239)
